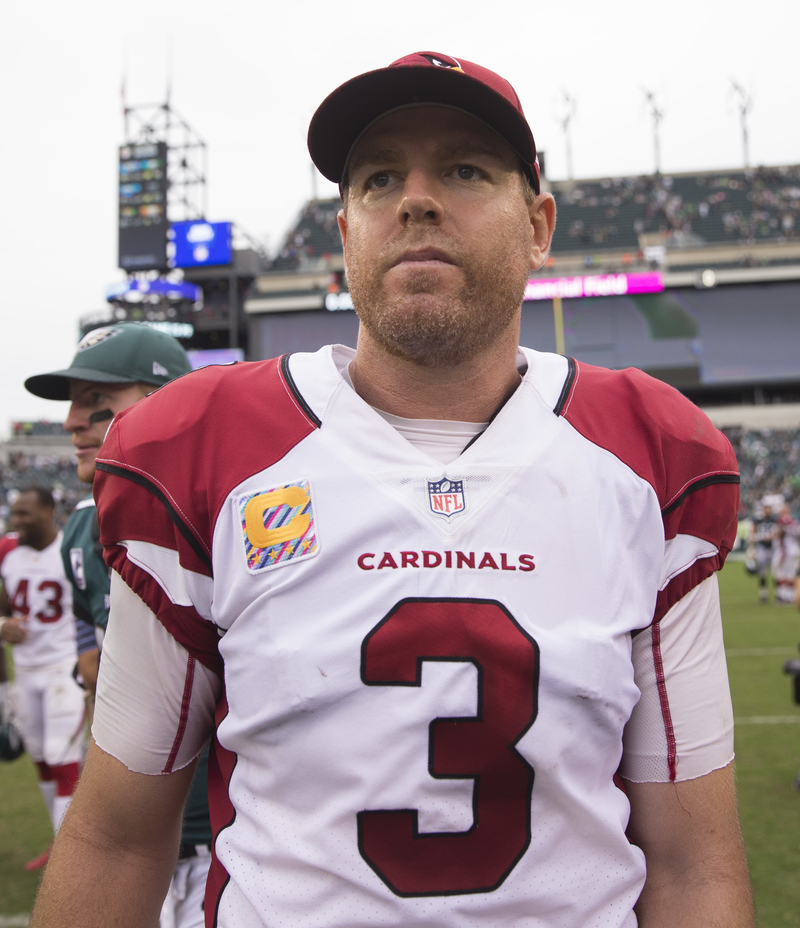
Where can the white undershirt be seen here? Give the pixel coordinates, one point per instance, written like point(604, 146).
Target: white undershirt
point(441, 439)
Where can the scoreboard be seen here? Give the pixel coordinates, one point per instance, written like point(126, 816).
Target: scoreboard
point(143, 224)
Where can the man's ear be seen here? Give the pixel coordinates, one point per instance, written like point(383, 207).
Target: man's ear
point(542, 214)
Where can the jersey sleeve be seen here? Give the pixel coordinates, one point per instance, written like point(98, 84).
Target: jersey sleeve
point(86, 639)
point(682, 726)
point(155, 702)
point(165, 469)
point(150, 537)
point(670, 443)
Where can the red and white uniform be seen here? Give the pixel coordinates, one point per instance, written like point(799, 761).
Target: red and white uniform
point(424, 677)
point(49, 703)
point(38, 591)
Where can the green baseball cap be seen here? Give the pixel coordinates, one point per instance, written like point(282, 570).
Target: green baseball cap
point(128, 352)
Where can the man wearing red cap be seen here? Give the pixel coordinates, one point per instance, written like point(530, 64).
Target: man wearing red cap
point(447, 606)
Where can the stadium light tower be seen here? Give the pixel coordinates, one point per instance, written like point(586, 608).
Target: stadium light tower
point(745, 102)
point(657, 115)
point(187, 152)
point(566, 107)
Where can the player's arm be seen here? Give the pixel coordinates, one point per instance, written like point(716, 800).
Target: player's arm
point(696, 866)
point(88, 666)
point(12, 630)
point(678, 769)
point(116, 849)
point(86, 640)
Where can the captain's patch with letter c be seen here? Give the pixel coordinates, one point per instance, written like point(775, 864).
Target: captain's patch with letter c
point(278, 526)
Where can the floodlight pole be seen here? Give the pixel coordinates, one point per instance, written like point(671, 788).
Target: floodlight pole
point(657, 115)
point(568, 109)
point(187, 161)
point(745, 105)
point(558, 319)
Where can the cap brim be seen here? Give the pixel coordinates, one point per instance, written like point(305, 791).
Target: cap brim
point(55, 386)
point(351, 108)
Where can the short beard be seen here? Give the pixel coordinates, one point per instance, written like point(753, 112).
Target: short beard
point(434, 330)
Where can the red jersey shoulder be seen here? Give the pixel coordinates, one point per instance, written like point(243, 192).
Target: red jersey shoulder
point(213, 415)
point(7, 544)
point(227, 402)
point(651, 427)
point(191, 442)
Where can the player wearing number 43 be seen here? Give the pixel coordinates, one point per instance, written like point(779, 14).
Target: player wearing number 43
point(430, 742)
point(36, 602)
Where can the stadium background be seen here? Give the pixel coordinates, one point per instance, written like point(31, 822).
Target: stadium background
point(725, 330)
point(729, 339)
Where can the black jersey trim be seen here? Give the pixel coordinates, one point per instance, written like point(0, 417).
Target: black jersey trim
point(472, 440)
point(287, 376)
point(699, 485)
point(558, 409)
point(182, 527)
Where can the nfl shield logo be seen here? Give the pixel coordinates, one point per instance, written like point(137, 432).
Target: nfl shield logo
point(446, 497)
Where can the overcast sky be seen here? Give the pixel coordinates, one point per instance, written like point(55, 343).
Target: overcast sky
point(248, 75)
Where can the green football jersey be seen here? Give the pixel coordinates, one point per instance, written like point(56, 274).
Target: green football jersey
point(85, 568)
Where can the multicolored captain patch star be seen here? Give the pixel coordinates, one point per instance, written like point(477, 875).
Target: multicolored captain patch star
point(278, 525)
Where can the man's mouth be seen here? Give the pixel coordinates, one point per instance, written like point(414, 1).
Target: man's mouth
point(423, 255)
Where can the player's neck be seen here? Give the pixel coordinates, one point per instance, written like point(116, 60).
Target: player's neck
point(47, 537)
point(469, 392)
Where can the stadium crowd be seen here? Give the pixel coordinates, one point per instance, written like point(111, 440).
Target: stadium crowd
point(53, 471)
point(769, 461)
point(735, 207)
point(743, 206)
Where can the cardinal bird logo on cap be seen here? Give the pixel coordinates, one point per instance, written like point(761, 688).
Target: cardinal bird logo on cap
point(438, 62)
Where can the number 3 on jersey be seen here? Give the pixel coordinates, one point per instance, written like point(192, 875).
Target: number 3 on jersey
point(483, 747)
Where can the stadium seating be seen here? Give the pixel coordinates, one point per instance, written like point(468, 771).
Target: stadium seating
point(712, 207)
point(769, 461)
point(45, 470)
point(314, 235)
point(715, 207)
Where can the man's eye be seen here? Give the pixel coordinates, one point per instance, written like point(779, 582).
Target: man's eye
point(465, 172)
point(383, 179)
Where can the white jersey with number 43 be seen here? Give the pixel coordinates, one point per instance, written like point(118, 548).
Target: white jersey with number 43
point(38, 591)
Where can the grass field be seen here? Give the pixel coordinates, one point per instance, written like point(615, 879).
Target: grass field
point(758, 639)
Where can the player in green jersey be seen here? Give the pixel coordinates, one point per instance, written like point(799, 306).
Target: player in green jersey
point(114, 367)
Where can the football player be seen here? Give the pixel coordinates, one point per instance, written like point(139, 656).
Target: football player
point(115, 367)
point(36, 602)
point(763, 542)
point(432, 595)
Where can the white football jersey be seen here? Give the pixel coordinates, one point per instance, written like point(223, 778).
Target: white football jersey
point(38, 590)
point(427, 669)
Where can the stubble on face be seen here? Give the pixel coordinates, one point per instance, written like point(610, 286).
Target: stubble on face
point(433, 328)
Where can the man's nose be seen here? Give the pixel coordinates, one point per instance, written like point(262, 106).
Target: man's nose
point(421, 200)
point(76, 419)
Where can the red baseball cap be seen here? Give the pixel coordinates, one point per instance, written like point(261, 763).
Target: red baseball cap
point(422, 77)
